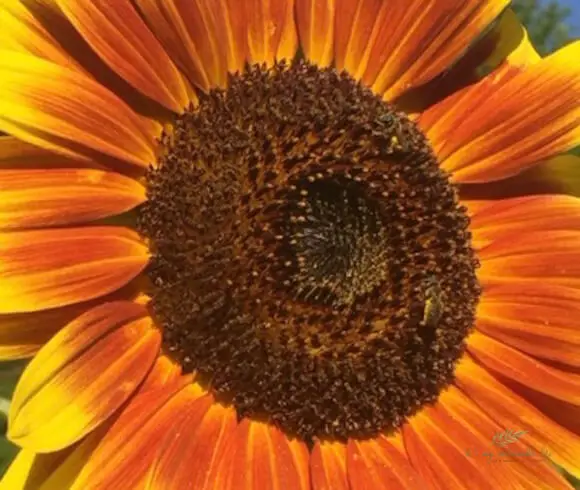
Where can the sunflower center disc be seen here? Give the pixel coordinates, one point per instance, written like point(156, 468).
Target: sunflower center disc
point(310, 259)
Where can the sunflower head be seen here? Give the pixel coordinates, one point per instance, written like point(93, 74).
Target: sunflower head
point(300, 227)
point(254, 244)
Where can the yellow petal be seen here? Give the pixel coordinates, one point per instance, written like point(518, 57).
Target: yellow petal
point(58, 267)
point(65, 111)
point(82, 376)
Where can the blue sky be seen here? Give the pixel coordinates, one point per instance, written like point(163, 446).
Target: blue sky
point(574, 19)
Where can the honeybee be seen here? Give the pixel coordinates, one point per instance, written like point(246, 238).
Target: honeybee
point(433, 308)
point(398, 140)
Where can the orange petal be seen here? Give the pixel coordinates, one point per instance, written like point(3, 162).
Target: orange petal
point(21, 31)
point(513, 364)
point(443, 450)
point(126, 455)
point(509, 124)
point(258, 456)
point(440, 120)
point(468, 425)
point(164, 372)
point(497, 219)
point(271, 31)
point(328, 466)
point(398, 442)
point(193, 445)
point(538, 319)
point(65, 111)
point(82, 375)
point(564, 414)
point(205, 38)
point(121, 38)
point(395, 46)
point(52, 268)
point(493, 398)
point(376, 464)
point(301, 458)
point(231, 26)
point(315, 23)
point(550, 257)
point(68, 473)
point(23, 334)
point(53, 197)
point(499, 43)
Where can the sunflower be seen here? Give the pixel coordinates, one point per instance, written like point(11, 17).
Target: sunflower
point(301, 244)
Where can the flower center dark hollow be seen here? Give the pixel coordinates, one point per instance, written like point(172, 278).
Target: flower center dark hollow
point(310, 260)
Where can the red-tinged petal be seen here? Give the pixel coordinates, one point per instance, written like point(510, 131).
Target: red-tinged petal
point(395, 46)
point(328, 466)
point(440, 120)
point(65, 111)
point(524, 469)
point(23, 334)
point(271, 31)
point(541, 320)
point(499, 43)
point(164, 372)
point(55, 197)
point(301, 458)
point(58, 267)
point(82, 376)
point(513, 364)
point(563, 413)
point(205, 38)
point(315, 23)
point(512, 123)
point(398, 442)
point(493, 397)
point(231, 25)
point(550, 257)
point(492, 220)
point(22, 31)
point(192, 447)
point(125, 456)
point(258, 456)
point(375, 464)
point(169, 26)
point(440, 448)
point(83, 57)
point(122, 39)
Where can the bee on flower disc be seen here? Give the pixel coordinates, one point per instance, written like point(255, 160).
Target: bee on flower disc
point(433, 307)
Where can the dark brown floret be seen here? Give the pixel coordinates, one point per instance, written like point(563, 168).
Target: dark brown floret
point(311, 260)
